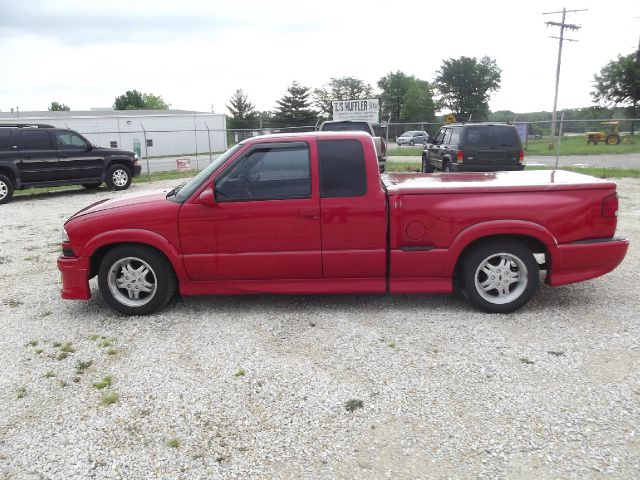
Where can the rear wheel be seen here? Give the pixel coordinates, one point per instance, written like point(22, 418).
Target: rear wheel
point(136, 280)
point(411, 142)
point(6, 189)
point(447, 167)
point(118, 177)
point(613, 139)
point(499, 276)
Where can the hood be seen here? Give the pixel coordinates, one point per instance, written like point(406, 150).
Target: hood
point(131, 199)
point(113, 151)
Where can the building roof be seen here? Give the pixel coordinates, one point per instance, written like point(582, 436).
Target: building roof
point(97, 113)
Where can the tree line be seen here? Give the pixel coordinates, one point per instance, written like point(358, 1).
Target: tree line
point(462, 86)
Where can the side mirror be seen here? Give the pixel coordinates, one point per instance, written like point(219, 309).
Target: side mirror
point(207, 197)
point(89, 147)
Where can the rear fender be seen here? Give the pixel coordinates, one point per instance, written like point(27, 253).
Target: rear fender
point(500, 228)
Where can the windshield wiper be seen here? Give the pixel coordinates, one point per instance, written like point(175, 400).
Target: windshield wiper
point(175, 189)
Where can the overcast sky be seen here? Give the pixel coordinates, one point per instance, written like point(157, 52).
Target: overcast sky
point(195, 54)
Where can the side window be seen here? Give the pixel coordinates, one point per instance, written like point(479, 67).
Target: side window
point(342, 168)
point(68, 140)
point(440, 136)
point(455, 136)
point(6, 139)
point(447, 136)
point(267, 173)
point(34, 140)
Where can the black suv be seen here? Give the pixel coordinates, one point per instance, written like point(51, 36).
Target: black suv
point(37, 155)
point(474, 147)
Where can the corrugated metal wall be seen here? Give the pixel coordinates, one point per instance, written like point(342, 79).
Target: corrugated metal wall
point(172, 134)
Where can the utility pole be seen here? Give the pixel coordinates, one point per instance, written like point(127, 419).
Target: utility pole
point(560, 39)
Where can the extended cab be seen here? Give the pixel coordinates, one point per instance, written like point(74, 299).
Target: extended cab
point(359, 126)
point(309, 213)
point(39, 155)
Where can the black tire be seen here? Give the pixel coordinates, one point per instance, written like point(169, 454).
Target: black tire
point(91, 186)
point(152, 278)
point(447, 167)
point(411, 142)
point(426, 166)
point(612, 139)
point(118, 177)
point(6, 189)
point(514, 268)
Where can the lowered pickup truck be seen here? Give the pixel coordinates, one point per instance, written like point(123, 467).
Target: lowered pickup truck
point(309, 213)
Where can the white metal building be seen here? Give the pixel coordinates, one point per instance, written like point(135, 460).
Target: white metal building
point(147, 132)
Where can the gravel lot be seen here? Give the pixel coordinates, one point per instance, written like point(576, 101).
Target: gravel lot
point(257, 387)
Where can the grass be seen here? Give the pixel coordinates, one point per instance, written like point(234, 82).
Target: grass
point(104, 383)
point(240, 373)
point(93, 338)
point(33, 343)
point(353, 405)
point(173, 443)
point(109, 398)
point(21, 392)
point(62, 355)
point(111, 351)
point(577, 145)
point(82, 366)
point(50, 374)
point(405, 152)
point(67, 348)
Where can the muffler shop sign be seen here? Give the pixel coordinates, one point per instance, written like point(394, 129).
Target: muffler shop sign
point(367, 110)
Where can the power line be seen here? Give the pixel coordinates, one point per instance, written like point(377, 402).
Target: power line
point(568, 26)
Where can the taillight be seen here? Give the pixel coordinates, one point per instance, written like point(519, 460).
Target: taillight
point(610, 206)
point(459, 156)
point(383, 146)
point(521, 158)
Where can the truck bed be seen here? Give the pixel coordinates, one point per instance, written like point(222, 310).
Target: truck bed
point(525, 181)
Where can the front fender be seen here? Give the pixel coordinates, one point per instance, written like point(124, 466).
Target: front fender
point(144, 237)
point(496, 228)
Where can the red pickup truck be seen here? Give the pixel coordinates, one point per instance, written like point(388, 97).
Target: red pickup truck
point(309, 213)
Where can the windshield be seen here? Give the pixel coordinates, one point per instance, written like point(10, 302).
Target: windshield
point(408, 134)
point(184, 192)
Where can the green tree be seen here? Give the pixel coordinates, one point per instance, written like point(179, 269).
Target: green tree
point(619, 84)
point(294, 108)
point(394, 86)
point(417, 103)
point(58, 107)
point(343, 88)
point(465, 85)
point(243, 114)
point(134, 100)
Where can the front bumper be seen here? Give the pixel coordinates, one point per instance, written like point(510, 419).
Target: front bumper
point(583, 260)
point(137, 170)
point(75, 277)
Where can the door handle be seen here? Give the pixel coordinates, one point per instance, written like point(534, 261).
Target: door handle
point(308, 214)
point(63, 156)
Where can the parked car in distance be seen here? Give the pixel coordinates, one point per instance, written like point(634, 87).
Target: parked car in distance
point(309, 213)
point(38, 155)
point(474, 147)
point(413, 137)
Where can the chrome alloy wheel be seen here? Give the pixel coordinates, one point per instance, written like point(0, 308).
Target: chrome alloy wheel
point(132, 281)
point(501, 278)
point(4, 190)
point(120, 177)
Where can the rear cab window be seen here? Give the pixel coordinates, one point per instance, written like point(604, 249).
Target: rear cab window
point(6, 139)
point(494, 136)
point(342, 168)
point(34, 140)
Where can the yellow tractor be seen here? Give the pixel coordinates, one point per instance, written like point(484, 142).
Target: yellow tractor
point(612, 137)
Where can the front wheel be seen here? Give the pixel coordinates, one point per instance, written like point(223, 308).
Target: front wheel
point(6, 189)
point(136, 280)
point(118, 177)
point(499, 276)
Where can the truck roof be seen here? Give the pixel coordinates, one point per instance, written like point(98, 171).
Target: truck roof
point(300, 135)
point(515, 181)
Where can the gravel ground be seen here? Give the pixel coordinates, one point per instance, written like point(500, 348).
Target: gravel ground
point(258, 387)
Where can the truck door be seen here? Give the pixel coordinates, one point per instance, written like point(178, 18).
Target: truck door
point(434, 149)
point(37, 160)
point(76, 157)
point(265, 224)
point(353, 216)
